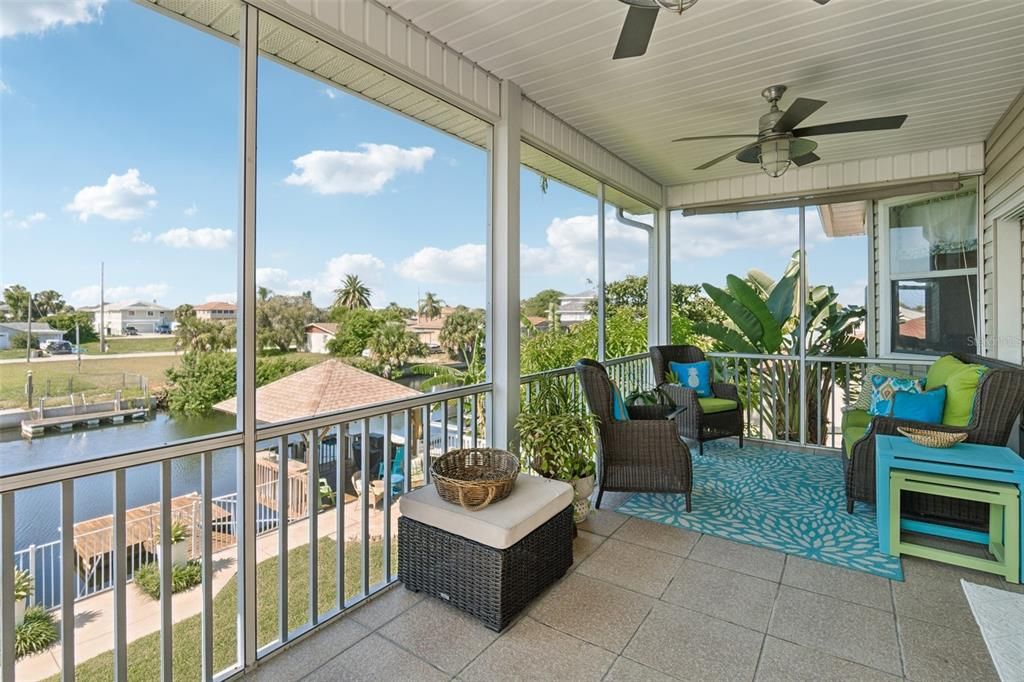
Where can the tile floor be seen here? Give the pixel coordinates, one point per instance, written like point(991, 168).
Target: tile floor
point(650, 602)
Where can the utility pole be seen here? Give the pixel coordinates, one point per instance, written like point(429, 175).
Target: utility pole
point(103, 325)
point(28, 338)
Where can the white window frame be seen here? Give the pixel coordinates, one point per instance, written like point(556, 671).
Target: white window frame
point(885, 277)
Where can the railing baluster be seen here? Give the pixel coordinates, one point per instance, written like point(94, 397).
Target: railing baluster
point(7, 569)
point(120, 579)
point(387, 496)
point(364, 507)
point(445, 426)
point(341, 435)
point(206, 547)
point(426, 444)
point(313, 503)
point(283, 520)
point(166, 645)
point(67, 578)
point(474, 404)
point(410, 435)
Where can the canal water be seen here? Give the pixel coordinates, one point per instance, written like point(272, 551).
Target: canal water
point(37, 510)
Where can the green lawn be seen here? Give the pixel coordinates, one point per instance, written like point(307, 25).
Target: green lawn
point(131, 344)
point(144, 653)
point(98, 377)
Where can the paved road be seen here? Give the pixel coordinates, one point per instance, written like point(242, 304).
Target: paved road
point(95, 356)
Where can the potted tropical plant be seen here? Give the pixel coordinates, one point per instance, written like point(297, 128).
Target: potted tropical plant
point(179, 544)
point(556, 439)
point(23, 589)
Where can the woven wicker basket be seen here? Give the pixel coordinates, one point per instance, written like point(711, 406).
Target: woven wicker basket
point(932, 439)
point(475, 477)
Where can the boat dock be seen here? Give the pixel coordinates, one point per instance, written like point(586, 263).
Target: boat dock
point(94, 538)
point(36, 427)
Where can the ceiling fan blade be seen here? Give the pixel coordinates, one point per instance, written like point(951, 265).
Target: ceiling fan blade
point(709, 137)
point(800, 109)
point(725, 156)
point(807, 158)
point(636, 32)
point(821, 2)
point(863, 125)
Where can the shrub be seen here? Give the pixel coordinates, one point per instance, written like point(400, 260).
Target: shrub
point(179, 533)
point(37, 633)
point(21, 339)
point(23, 584)
point(183, 577)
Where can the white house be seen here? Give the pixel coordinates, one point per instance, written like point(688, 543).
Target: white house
point(42, 331)
point(143, 317)
point(318, 334)
point(219, 311)
point(574, 308)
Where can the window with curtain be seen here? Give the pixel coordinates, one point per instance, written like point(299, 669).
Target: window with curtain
point(933, 273)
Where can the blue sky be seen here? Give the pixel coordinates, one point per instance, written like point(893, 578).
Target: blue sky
point(120, 144)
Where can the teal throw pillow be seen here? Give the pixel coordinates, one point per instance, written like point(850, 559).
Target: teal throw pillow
point(883, 389)
point(619, 411)
point(695, 375)
point(924, 407)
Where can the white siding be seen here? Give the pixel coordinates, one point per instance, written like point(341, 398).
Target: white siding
point(823, 177)
point(1003, 187)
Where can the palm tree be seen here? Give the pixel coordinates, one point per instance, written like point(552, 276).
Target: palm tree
point(430, 306)
point(443, 376)
point(352, 294)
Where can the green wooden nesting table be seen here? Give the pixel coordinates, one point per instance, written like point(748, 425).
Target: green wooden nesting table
point(994, 475)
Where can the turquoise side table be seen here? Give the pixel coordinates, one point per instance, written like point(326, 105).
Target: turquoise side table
point(966, 460)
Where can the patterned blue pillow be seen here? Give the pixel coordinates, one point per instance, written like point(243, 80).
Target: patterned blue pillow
point(884, 388)
point(619, 411)
point(695, 375)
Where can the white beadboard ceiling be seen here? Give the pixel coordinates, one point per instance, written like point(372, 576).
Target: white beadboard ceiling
point(953, 65)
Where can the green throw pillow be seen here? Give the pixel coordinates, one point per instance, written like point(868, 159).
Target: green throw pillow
point(961, 387)
point(941, 370)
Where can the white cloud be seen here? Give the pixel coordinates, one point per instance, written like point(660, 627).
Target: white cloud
point(37, 16)
point(364, 172)
point(10, 219)
point(200, 238)
point(123, 197)
point(330, 92)
point(572, 248)
point(463, 264)
point(370, 269)
point(268, 277)
point(140, 237)
point(5, 89)
point(191, 210)
point(90, 294)
point(711, 236)
point(227, 297)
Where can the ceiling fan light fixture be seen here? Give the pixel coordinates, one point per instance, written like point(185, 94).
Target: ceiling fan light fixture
point(678, 6)
point(774, 157)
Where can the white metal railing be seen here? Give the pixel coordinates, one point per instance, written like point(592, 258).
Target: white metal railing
point(630, 373)
point(769, 387)
point(412, 431)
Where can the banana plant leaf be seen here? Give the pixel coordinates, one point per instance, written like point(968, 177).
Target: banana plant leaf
point(771, 330)
point(730, 338)
point(781, 299)
point(741, 316)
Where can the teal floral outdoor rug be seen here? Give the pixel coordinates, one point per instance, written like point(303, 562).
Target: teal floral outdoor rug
point(787, 501)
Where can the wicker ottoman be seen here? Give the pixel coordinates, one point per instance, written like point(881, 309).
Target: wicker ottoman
point(489, 563)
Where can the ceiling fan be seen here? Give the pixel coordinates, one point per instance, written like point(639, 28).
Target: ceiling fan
point(780, 143)
point(639, 24)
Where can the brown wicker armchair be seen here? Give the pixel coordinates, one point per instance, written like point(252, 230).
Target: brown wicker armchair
point(997, 404)
point(643, 454)
point(695, 422)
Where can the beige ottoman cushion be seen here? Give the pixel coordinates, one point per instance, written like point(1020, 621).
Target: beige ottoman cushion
point(533, 502)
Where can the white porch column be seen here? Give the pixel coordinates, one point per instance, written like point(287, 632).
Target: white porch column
point(503, 272)
point(659, 280)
